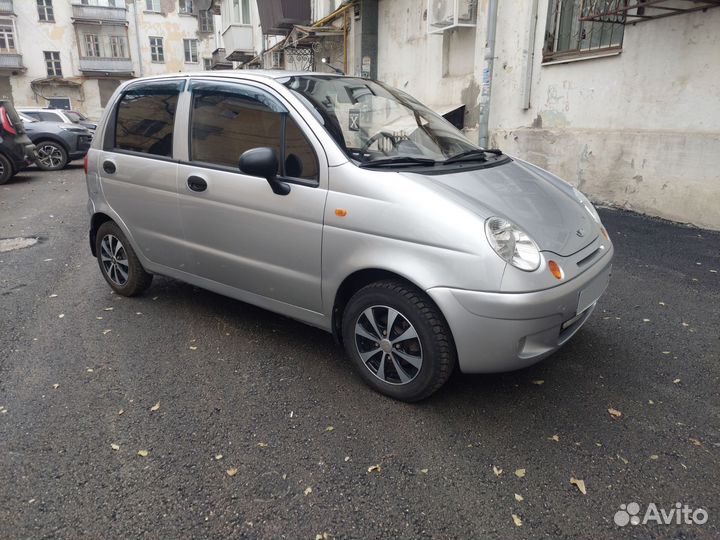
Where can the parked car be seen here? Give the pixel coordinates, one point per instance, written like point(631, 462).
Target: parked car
point(347, 205)
point(56, 143)
point(16, 148)
point(58, 115)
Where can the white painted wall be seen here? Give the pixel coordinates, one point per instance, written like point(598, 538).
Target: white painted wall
point(640, 129)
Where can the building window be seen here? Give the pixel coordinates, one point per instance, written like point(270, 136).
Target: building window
point(241, 11)
point(92, 45)
point(567, 35)
point(118, 47)
point(152, 5)
point(205, 21)
point(52, 62)
point(45, 10)
point(207, 64)
point(191, 50)
point(7, 36)
point(157, 52)
point(186, 6)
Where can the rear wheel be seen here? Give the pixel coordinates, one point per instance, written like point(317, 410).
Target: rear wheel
point(118, 262)
point(51, 156)
point(398, 340)
point(6, 169)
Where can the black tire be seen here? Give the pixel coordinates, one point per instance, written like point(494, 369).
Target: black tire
point(136, 279)
point(6, 169)
point(51, 156)
point(416, 312)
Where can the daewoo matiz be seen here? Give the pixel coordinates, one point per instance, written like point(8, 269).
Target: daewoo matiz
point(347, 205)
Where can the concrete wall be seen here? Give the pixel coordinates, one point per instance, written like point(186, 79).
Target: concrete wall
point(640, 129)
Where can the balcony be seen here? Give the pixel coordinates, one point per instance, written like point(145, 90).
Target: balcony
point(238, 40)
point(10, 61)
point(219, 60)
point(6, 7)
point(279, 16)
point(99, 14)
point(99, 64)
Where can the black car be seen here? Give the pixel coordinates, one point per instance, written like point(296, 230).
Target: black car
point(16, 148)
point(57, 143)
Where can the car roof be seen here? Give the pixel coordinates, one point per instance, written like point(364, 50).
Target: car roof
point(257, 74)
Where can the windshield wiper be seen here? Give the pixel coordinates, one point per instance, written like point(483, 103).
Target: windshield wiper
point(399, 160)
point(472, 155)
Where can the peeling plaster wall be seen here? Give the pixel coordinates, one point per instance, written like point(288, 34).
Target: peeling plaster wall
point(640, 129)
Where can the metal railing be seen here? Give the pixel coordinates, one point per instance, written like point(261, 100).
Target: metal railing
point(106, 64)
point(99, 13)
point(11, 61)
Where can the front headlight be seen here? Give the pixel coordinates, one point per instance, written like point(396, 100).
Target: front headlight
point(512, 244)
point(582, 199)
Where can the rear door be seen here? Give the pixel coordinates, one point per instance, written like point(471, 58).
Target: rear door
point(239, 232)
point(138, 170)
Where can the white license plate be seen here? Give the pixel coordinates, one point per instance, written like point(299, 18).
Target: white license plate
point(590, 294)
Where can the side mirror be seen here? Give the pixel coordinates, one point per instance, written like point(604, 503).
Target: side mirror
point(263, 162)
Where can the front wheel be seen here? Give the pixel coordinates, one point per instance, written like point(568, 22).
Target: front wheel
point(398, 340)
point(51, 156)
point(118, 262)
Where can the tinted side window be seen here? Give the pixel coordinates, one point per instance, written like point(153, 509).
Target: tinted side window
point(228, 119)
point(49, 117)
point(145, 118)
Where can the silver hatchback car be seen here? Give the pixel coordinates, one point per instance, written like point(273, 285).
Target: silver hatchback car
point(347, 205)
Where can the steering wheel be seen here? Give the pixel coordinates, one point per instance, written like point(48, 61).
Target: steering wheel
point(377, 136)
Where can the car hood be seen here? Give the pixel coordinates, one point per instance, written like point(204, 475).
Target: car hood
point(537, 201)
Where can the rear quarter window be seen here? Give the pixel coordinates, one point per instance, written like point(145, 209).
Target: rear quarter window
point(145, 118)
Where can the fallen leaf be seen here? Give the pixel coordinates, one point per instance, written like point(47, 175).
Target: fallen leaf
point(580, 485)
point(193, 348)
point(424, 471)
point(138, 313)
point(115, 446)
point(685, 324)
point(519, 498)
point(218, 457)
point(661, 303)
point(654, 457)
point(53, 296)
point(232, 471)
point(696, 442)
point(538, 382)
point(121, 411)
point(520, 473)
point(614, 413)
point(155, 407)
point(90, 370)
point(651, 402)
point(262, 444)
point(497, 471)
point(625, 461)
point(308, 491)
point(329, 428)
point(666, 352)
point(554, 438)
point(646, 320)
point(56, 386)
point(99, 318)
point(713, 271)
point(142, 453)
point(347, 458)
point(108, 309)
point(516, 520)
point(676, 381)
point(323, 536)
point(61, 316)
point(374, 468)
point(105, 332)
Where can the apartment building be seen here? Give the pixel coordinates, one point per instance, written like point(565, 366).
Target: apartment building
point(74, 53)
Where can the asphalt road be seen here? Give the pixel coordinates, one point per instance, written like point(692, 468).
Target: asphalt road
point(279, 402)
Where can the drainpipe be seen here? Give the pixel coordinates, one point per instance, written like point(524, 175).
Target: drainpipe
point(137, 37)
point(369, 38)
point(487, 73)
point(529, 57)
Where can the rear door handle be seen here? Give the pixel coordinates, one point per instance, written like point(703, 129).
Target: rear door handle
point(196, 183)
point(109, 167)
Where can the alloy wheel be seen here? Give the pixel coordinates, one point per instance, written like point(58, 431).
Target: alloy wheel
point(388, 345)
point(49, 155)
point(114, 260)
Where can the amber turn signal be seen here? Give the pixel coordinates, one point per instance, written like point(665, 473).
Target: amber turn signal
point(555, 270)
point(604, 232)
point(340, 212)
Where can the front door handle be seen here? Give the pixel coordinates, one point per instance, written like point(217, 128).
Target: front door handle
point(196, 183)
point(109, 167)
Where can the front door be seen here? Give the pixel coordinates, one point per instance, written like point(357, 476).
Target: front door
point(239, 233)
point(139, 175)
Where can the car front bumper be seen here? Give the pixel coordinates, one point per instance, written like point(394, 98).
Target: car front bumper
point(497, 332)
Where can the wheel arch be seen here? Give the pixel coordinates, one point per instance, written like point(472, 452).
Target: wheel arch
point(353, 283)
point(97, 219)
point(51, 138)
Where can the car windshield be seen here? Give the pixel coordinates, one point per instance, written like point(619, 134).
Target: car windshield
point(372, 122)
point(73, 116)
point(26, 118)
